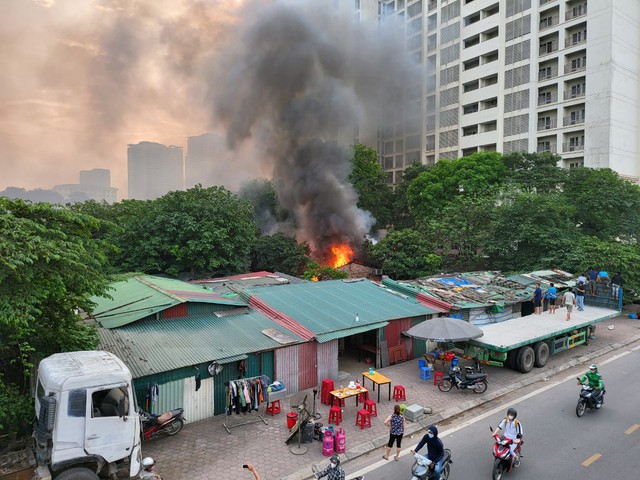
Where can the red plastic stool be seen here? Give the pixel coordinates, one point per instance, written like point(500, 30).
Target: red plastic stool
point(327, 387)
point(335, 415)
point(363, 419)
point(273, 408)
point(437, 376)
point(371, 407)
point(398, 393)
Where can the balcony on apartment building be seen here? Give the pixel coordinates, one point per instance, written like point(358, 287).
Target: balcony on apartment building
point(544, 2)
point(573, 146)
point(432, 5)
point(575, 11)
point(575, 118)
point(546, 147)
point(576, 91)
point(548, 21)
point(547, 73)
point(547, 123)
point(548, 47)
point(576, 38)
point(545, 98)
point(575, 65)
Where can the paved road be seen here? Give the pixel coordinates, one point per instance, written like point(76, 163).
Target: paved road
point(558, 444)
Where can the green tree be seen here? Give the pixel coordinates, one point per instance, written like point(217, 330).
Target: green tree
point(530, 231)
point(401, 216)
point(280, 253)
point(606, 206)
point(475, 175)
point(369, 180)
point(534, 172)
point(204, 231)
point(406, 254)
point(318, 272)
point(50, 265)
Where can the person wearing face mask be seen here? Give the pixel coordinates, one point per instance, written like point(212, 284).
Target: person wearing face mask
point(334, 471)
point(512, 429)
point(435, 450)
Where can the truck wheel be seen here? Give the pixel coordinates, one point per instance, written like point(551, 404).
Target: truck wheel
point(78, 474)
point(512, 359)
point(525, 359)
point(541, 350)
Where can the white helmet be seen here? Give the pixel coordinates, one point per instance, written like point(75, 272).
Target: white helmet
point(148, 462)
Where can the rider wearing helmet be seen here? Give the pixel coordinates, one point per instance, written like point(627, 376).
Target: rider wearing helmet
point(595, 382)
point(334, 471)
point(148, 466)
point(512, 429)
point(435, 450)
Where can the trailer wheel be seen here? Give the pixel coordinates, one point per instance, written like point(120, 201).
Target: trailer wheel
point(525, 359)
point(541, 350)
point(77, 474)
point(512, 357)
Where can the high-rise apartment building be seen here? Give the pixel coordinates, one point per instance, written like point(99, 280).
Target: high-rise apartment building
point(557, 76)
point(154, 170)
point(203, 153)
point(94, 184)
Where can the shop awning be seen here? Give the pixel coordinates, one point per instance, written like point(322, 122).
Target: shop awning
point(325, 337)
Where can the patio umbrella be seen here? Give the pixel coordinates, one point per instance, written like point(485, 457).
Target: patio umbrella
point(445, 329)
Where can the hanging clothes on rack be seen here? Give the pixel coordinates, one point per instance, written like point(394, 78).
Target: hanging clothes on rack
point(243, 396)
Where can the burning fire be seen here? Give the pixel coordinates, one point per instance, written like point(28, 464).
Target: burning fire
point(341, 255)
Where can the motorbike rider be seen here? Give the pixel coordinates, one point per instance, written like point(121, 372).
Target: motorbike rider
point(595, 382)
point(513, 430)
point(435, 450)
point(148, 467)
point(333, 471)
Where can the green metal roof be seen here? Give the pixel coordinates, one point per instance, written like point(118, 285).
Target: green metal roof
point(153, 346)
point(331, 306)
point(139, 297)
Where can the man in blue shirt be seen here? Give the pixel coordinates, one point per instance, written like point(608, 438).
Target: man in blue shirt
point(537, 300)
point(551, 295)
point(593, 278)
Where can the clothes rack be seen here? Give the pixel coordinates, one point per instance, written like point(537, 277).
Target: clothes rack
point(252, 416)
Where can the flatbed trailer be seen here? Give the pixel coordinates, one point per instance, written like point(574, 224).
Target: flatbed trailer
point(524, 342)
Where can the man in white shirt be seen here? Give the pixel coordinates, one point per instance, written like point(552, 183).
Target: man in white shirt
point(569, 301)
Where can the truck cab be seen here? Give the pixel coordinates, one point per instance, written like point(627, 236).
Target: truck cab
point(87, 423)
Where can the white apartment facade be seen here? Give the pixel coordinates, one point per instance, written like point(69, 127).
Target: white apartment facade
point(154, 170)
point(557, 76)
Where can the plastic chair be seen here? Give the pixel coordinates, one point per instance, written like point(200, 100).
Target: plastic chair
point(363, 419)
point(273, 408)
point(371, 407)
point(437, 376)
point(422, 363)
point(425, 373)
point(335, 415)
point(399, 393)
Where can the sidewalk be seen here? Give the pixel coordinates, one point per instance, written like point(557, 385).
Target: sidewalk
point(206, 451)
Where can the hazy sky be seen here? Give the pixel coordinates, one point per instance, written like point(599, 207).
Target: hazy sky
point(81, 79)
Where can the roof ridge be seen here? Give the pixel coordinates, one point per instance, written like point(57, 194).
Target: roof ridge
point(157, 288)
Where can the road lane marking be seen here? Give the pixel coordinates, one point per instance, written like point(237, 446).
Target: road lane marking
point(591, 459)
point(631, 429)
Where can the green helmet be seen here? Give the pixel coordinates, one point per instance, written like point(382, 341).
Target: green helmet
point(593, 368)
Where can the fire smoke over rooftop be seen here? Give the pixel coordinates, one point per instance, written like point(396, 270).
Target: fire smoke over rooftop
point(298, 81)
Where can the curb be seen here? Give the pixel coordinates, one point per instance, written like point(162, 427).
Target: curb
point(424, 422)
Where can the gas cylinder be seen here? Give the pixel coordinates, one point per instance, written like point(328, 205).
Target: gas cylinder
point(327, 443)
point(341, 440)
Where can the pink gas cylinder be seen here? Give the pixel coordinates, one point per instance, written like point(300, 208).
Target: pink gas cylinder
point(327, 443)
point(341, 440)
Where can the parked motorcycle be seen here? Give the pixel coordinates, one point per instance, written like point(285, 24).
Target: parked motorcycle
point(422, 470)
point(169, 423)
point(470, 380)
point(588, 400)
point(503, 459)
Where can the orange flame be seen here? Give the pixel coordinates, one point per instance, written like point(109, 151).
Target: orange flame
point(342, 255)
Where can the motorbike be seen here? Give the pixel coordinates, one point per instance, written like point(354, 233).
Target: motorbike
point(503, 459)
point(588, 401)
point(316, 470)
point(169, 423)
point(422, 470)
point(473, 379)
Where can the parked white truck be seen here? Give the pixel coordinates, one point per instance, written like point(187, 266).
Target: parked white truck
point(87, 424)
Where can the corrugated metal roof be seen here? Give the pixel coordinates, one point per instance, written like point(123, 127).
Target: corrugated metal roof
point(416, 292)
point(139, 297)
point(329, 306)
point(154, 346)
point(326, 337)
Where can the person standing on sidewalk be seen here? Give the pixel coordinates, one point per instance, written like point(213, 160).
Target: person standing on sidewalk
point(581, 291)
point(395, 422)
point(569, 301)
